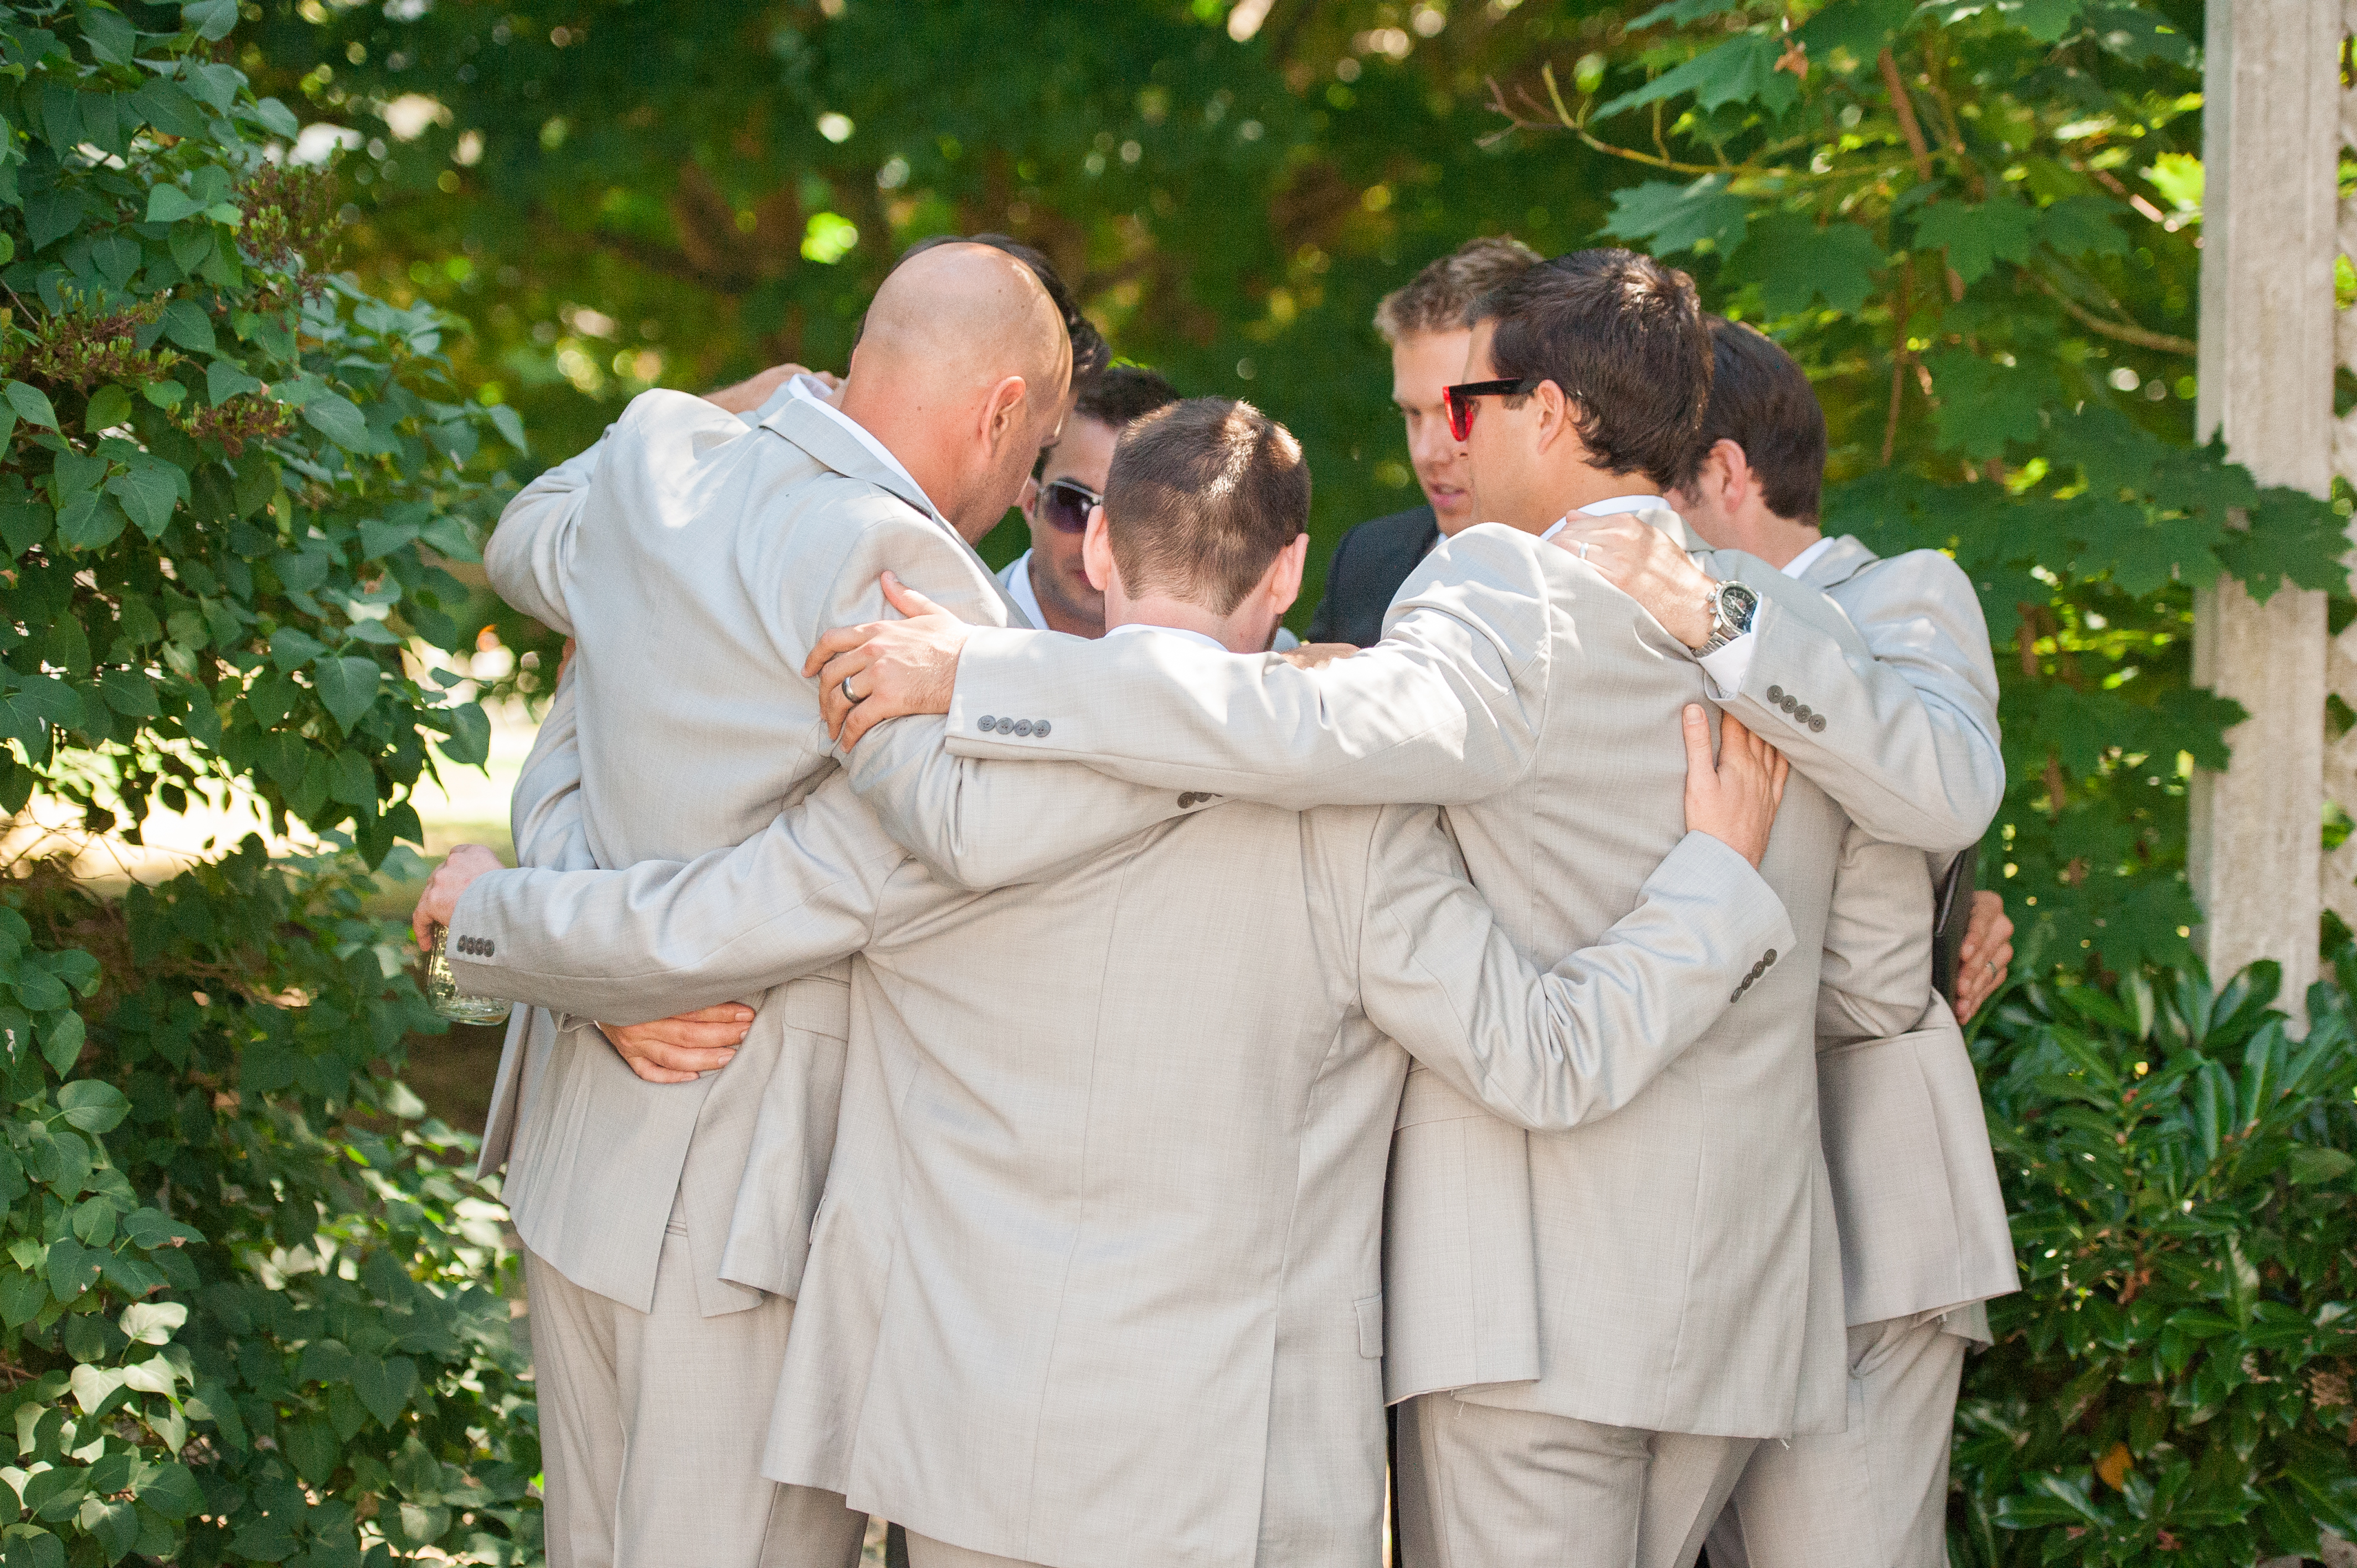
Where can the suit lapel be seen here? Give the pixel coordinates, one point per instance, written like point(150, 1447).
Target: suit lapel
point(1843, 559)
point(799, 420)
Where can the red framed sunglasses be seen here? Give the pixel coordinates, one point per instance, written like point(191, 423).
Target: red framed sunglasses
point(1460, 397)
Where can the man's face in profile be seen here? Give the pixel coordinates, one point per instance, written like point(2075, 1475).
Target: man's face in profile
point(1084, 457)
point(1423, 364)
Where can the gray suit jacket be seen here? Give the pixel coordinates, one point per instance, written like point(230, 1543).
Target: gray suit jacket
point(1673, 1267)
point(696, 557)
point(1923, 1223)
point(1110, 1182)
point(1904, 735)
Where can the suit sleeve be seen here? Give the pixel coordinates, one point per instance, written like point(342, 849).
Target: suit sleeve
point(1893, 694)
point(1446, 709)
point(1876, 978)
point(977, 824)
point(544, 814)
point(668, 936)
point(1550, 1051)
point(527, 554)
point(1330, 597)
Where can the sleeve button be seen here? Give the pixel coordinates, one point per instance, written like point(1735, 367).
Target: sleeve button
point(1023, 726)
point(1039, 729)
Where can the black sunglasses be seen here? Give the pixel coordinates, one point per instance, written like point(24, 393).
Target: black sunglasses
point(1065, 504)
point(1461, 400)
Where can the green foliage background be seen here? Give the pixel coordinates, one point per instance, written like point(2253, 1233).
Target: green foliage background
point(254, 418)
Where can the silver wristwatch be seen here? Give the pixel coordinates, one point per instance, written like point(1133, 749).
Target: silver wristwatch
point(1731, 606)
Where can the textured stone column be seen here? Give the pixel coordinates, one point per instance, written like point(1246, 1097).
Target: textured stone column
point(2270, 141)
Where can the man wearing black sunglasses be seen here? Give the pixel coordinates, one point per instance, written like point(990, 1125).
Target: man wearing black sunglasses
point(1047, 580)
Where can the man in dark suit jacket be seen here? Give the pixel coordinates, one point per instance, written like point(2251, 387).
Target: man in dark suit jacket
point(1425, 325)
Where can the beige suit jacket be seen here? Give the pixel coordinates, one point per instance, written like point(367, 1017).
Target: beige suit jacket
point(1097, 1278)
point(1673, 1267)
point(1923, 1218)
point(695, 557)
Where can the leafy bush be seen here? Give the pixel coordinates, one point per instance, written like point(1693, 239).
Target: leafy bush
point(248, 1303)
point(2175, 1378)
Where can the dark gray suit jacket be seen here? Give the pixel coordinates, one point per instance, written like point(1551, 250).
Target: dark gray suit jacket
point(1367, 568)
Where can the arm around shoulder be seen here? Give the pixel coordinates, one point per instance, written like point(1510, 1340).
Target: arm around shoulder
point(1551, 1051)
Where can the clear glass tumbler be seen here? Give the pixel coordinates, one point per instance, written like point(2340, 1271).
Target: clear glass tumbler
point(443, 991)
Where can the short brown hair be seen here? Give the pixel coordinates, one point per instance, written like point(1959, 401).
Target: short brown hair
point(1202, 495)
point(1761, 400)
point(1623, 337)
point(1434, 299)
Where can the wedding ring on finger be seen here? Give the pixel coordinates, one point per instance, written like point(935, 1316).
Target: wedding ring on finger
point(848, 694)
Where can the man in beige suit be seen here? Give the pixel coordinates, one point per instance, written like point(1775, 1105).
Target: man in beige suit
point(1924, 1239)
point(1097, 1276)
point(1592, 1329)
point(694, 555)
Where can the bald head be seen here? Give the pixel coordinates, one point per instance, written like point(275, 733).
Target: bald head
point(966, 315)
point(962, 371)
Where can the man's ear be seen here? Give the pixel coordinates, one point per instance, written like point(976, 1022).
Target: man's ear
point(1002, 414)
point(1096, 552)
point(1555, 416)
point(1735, 479)
point(1283, 582)
point(1028, 503)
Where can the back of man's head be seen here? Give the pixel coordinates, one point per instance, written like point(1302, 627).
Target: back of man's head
point(1623, 337)
point(1204, 494)
point(1761, 401)
point(1090, 352)
point(1435, 300)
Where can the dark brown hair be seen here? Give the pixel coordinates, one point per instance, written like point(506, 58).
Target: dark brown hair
point(1434, 299)
point(1120, 394)
point(1623, 337)
point(1202, 496)
point(1761, 401)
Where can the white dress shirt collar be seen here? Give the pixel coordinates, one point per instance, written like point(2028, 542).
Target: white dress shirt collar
point(1607, 508)
point(1799, 564)
point(1213, 643)
point(1017, 581)
point(814, 392)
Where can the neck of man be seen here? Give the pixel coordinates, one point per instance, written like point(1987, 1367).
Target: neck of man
point(1756, 531)
point(1585, 486)
point(1246, 630)
point(907, 429)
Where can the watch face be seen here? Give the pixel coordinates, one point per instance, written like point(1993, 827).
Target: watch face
point(1737, 603)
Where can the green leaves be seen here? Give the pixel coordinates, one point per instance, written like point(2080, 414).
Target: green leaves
point(347, 686)
point(1742, 70)
point(1677, 218)
point(1978, 237)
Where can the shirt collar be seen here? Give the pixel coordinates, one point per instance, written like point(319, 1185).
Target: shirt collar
point(814, 392)
point(1016, 580)
point(1213, 643)
point(1607, 508)
point(1799, 564)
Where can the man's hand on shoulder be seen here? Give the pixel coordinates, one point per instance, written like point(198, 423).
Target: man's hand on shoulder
point(888, 669)
point(1317, 655)
point(1647, 564)
point(752, 392)
point(676, 1049)
point(1733, 800)
point(457, 872)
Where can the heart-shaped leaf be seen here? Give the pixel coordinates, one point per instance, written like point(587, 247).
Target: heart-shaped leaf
point(384, 1386)
point(347, 686)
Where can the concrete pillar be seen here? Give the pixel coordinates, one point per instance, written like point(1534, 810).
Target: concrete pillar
point(2270, 143)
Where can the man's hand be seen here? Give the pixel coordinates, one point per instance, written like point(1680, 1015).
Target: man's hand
point(1645, 563)
point(752, 392)
point(1987, 954)
point(1317, 655)
point(673, 1050)
point(1734, 800)
point(892, 668)
point(439, 902)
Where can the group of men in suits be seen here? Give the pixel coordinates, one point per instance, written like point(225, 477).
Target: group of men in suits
point(1055, 1091)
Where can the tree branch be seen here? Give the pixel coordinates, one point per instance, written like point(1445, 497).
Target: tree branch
point(1905, 109)
point(2123, 331)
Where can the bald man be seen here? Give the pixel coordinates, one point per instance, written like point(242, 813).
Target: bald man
point(665, 1192)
